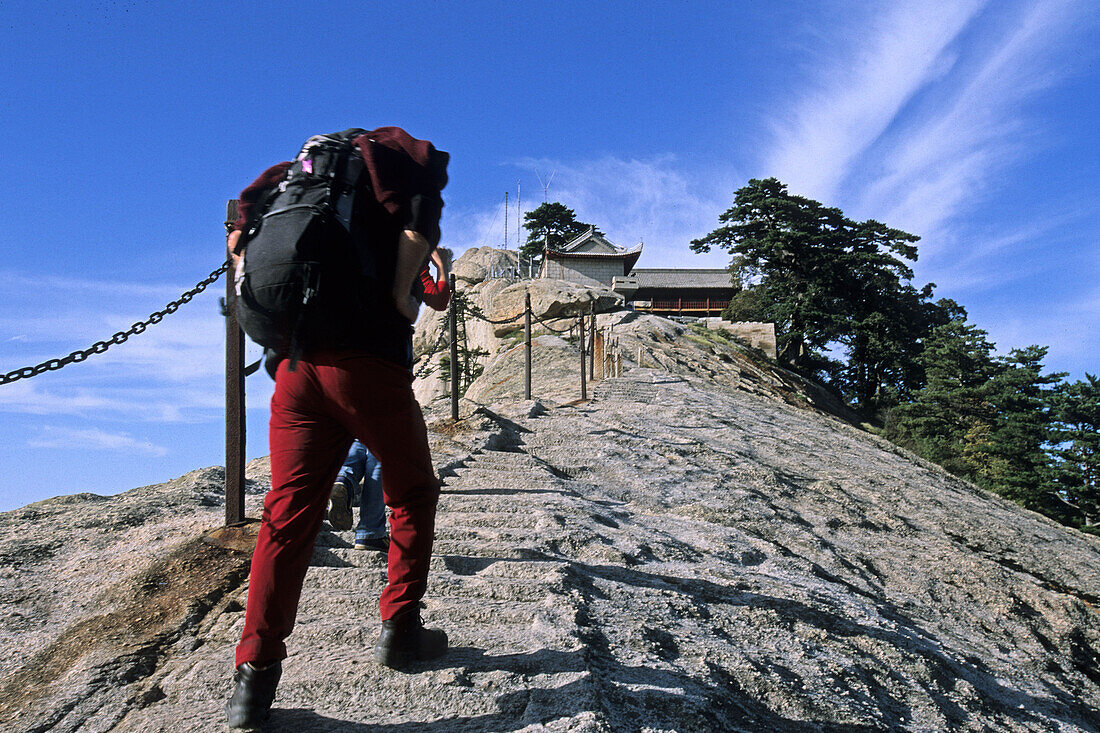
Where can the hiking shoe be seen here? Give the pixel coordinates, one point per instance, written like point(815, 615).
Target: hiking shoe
point(404, 639)
point(339, 509)
point(381, 544)
point(253, 693)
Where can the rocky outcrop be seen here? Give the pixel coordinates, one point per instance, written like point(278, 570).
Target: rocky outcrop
point(499, 303)
point(698, 547)
point(477, 263)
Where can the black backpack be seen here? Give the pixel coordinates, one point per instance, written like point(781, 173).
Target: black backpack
point(307, 260)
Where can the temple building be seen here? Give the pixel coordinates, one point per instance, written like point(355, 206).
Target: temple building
point(694, 292)
point(589, 259)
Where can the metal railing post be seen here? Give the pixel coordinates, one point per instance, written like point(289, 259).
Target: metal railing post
point(591, 340)
point(584, 360)
point(454, 349)
point(234, 396)
point(527, 346)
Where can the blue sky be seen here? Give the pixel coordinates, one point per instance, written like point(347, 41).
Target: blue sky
point(128, 125)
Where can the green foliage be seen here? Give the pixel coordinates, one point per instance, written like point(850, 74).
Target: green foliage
point(1016, 463)
point(952, 412)
point(550, 226)
point(826, 280)
point(470, 366)
point(1075, 436)
point(982, 417)
point(749, 304)
point(832, 285)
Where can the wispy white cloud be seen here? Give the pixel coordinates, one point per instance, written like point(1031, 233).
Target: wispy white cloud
point(464, 229)
point(93, 439)
point(655, 201)
point(918, 123)
point(102, 396)
point(953, 156)
point(171, 372)
point(860, 91)
point(16, 281)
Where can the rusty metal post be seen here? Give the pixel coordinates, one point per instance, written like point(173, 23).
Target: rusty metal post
point(584, 360)
point(454, 349)
point(527, 346)
point(234, 396)
point(591, 340)
point(597, 356)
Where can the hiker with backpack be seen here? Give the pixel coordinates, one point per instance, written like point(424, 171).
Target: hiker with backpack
point(326, 251)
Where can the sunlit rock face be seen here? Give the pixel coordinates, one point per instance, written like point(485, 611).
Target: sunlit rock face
point(702, 545)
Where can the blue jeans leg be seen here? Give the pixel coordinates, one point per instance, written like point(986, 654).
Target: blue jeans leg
point(372, 508)
point(354, 467)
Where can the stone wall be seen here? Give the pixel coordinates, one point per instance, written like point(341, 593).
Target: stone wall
point(584, 272)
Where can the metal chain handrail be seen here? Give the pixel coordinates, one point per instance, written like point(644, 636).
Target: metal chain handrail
point(100, 347)
point(479, 316)
point(476, 313)
point(547, 325)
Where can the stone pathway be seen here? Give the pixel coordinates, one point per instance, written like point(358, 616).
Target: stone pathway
point(673, 558)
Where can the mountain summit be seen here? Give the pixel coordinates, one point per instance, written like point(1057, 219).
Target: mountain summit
point(701, 546)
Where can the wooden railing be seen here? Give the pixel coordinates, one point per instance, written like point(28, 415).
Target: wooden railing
point(682, 306)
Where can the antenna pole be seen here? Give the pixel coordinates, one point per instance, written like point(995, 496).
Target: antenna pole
point(505, 220)
point(545, 185)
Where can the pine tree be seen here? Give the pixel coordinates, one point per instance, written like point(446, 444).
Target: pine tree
point(951, 416)
point(826, 280)
point(550, 226)
point(1076, 449)
point(1015, 462)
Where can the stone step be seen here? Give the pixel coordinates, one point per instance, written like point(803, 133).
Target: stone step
point(504, 458)
point(529, 550)
point(455, 503)
point(505, 568)
point(463, 554)
point(529, 519)
point(540, 476)
point(326, 585)
point(492, 624)
point(480, 489)
point(479, 535)
point(508, 566)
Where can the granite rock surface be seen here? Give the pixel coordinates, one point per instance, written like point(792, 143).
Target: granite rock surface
point(700, 546)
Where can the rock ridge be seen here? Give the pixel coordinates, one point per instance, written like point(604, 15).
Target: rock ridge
point(701, 546)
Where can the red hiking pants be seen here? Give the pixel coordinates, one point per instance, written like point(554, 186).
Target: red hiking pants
point(315, 411)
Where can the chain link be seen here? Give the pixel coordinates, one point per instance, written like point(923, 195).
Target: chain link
point(547, 325)
point(99, 347)
point(479, 316)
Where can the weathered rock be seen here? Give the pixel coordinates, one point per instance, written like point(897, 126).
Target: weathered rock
point(696, 548)
point(476, 263)
point(550, 299)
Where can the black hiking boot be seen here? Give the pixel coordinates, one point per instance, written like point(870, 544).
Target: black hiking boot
point(404, 639)
point(253, 693)
point(339, 511)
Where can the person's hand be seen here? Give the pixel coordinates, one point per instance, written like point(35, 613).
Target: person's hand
point(231, 244)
